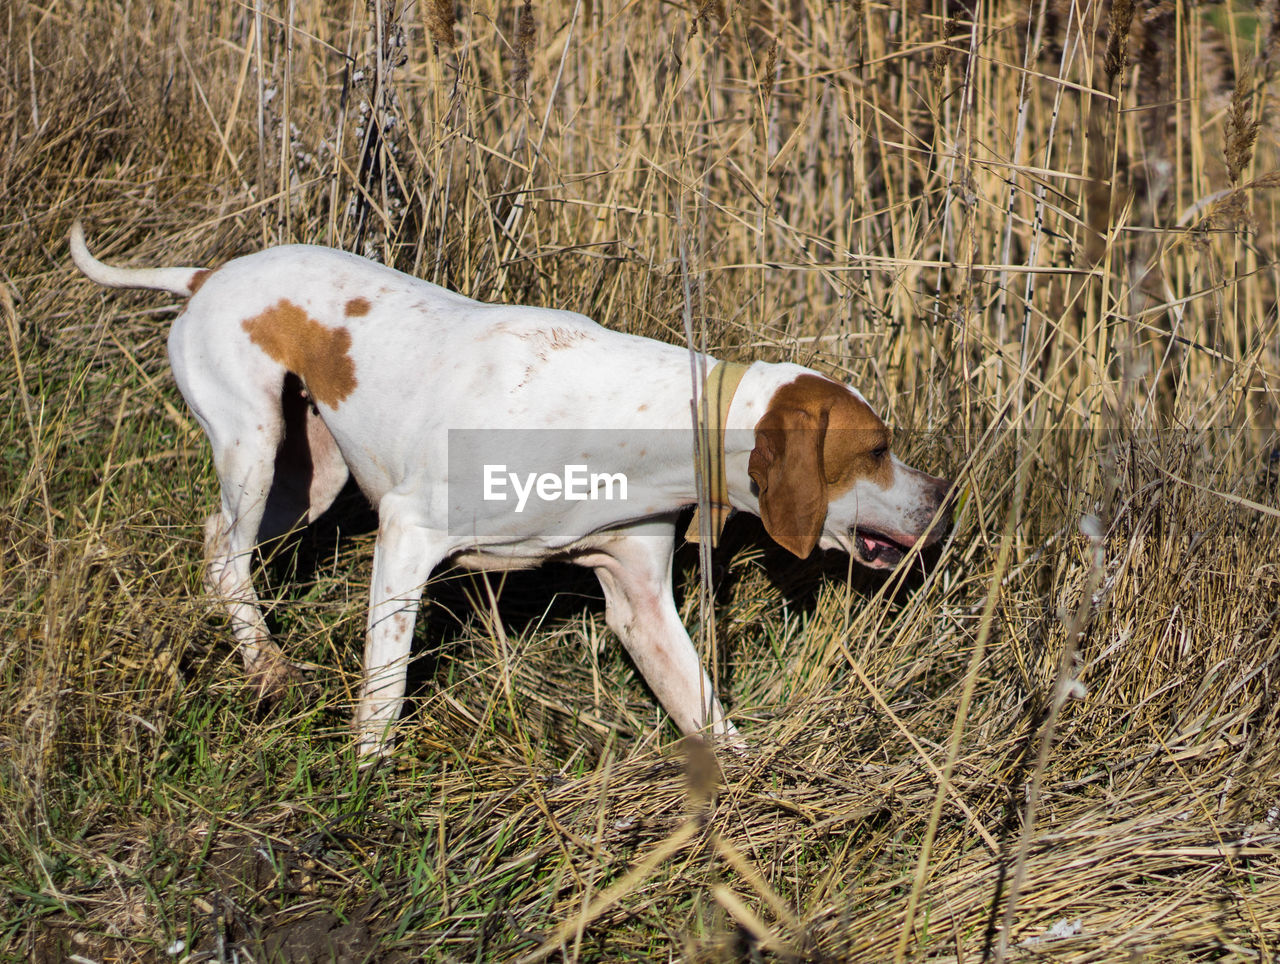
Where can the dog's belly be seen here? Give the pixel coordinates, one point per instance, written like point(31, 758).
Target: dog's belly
point(587, 551)
point(502, 561)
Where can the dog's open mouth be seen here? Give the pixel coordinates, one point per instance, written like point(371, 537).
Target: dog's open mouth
point(876, 549)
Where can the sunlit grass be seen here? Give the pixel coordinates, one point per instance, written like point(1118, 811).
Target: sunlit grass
point(1055, 278)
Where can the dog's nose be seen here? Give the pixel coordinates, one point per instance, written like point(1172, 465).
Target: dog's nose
point(950, 495)
point(942, 495)
point(942, 492)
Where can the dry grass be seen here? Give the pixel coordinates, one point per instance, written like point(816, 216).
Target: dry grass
point(1044, 247)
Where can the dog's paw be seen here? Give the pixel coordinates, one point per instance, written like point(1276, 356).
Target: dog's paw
point(274, 678)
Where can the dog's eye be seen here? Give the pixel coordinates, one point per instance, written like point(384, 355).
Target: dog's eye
point(881, 453)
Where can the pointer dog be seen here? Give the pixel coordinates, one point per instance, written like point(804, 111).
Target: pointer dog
point(304, 364)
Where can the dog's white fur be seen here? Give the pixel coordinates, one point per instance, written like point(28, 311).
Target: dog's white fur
point(383, 365)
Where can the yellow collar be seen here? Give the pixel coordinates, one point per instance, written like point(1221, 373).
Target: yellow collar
point(713, 415)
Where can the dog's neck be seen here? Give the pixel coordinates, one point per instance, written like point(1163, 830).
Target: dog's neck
point(748, 407)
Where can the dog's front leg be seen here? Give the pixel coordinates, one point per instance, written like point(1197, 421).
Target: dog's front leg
point(403, 558)
point(635, 572)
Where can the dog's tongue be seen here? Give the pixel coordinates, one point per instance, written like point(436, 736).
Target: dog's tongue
point(873, 544)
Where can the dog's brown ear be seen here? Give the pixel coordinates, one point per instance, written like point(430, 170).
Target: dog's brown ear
point(786, 465)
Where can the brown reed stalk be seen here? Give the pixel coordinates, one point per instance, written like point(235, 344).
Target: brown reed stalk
point(526, 34)
point(1242, 127)
point(942, 52)
point(709, 13)
point(438, 17)
point(770, 70)
point(1118, 23)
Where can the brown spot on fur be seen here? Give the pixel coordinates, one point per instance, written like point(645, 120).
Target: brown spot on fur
point(314, 352)
point(547, 340)
point(356, 307)
point(560, 338)
point(198, 279)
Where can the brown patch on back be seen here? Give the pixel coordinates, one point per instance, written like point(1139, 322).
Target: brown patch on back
point(316, 353)
point(198, 279)
point(357, 307)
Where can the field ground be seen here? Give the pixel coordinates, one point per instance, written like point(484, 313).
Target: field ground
point(1044, 246)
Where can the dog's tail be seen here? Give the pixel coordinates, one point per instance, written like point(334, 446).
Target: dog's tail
point(180, 281)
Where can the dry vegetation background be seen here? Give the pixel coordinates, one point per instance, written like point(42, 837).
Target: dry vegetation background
point(1039, 236)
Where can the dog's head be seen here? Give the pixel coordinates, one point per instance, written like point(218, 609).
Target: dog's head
point(826, 476)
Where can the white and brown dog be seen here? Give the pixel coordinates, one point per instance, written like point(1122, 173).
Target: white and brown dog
point(304, 364)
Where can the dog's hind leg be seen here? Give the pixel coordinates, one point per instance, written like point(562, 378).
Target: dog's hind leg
point(244, 457)
point(238, 404)
point(278, 467)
